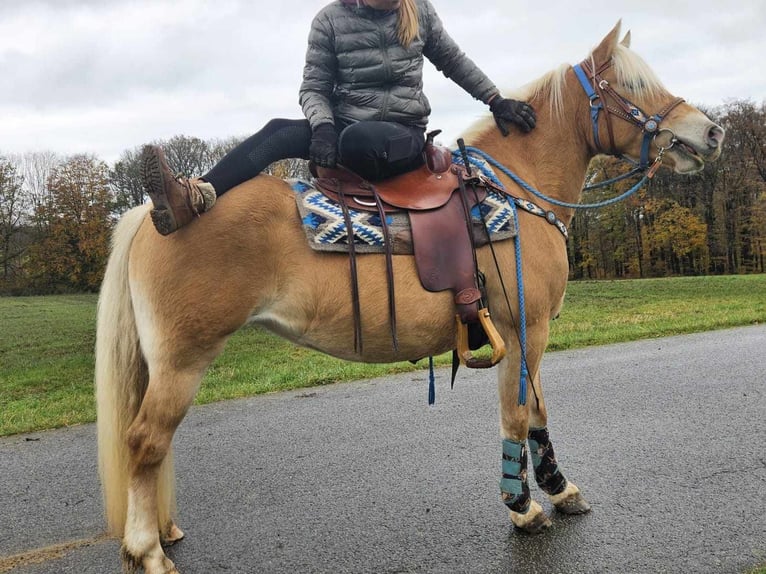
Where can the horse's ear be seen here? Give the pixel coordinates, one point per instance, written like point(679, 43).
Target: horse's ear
point(603, 52)
point(626, 40)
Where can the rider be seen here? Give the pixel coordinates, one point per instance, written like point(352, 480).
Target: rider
point(362, 96)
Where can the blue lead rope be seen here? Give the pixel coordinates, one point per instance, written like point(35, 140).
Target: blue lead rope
point(431, 382)
point(522, 310)
point(524, 185)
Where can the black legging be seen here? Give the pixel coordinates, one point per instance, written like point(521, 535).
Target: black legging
point(279, 139)
point(375, 150)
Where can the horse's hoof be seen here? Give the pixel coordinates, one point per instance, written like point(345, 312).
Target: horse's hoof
point(130, 564)
point(174, 535)
point(533, 521)
point(165, 567)
point(152, 563)
point(571, 501)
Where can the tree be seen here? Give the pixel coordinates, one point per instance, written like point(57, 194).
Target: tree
point(189, 156)
point(35, 169)
point(740, 184)
point(125, 181)
point(72, 253)
point(676, 238)
point(220, 147)
point(290, 168)
point(13, 206)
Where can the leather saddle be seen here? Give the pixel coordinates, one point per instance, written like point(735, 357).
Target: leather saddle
point(438, 204)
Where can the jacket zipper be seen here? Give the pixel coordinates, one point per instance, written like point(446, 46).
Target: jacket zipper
point(387, 69)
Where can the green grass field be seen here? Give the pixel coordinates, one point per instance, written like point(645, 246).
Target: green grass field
point(46, 343)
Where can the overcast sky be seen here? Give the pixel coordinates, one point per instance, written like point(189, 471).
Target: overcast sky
point(103, 76)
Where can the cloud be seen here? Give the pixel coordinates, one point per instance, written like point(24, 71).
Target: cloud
point(103, 76)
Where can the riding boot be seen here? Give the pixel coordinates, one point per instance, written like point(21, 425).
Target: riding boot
point(177, 200)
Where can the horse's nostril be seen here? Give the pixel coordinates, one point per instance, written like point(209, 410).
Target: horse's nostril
point(715, 136)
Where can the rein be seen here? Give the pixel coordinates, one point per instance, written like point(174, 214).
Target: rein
point(540, 195)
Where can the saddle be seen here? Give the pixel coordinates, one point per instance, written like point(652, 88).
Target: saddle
point(438, 205)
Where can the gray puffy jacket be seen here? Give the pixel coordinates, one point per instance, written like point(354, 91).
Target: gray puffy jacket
point(356, 69)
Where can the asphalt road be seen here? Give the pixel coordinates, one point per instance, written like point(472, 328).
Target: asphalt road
point(664, 437)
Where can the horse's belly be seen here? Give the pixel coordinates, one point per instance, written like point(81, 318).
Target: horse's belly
point(420, 331)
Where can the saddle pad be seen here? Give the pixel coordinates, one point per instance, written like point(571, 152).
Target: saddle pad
point(325, 225)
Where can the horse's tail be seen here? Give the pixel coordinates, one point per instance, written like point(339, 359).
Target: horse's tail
point(121, 379)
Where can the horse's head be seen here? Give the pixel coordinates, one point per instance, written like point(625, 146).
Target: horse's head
point(632, 114)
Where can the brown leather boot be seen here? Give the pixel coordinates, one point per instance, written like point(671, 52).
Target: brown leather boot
point(177, 200)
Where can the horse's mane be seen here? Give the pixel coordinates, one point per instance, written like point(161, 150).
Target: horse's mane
point(634, 77)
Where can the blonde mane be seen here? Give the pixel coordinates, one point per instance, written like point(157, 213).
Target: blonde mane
point(634, 77)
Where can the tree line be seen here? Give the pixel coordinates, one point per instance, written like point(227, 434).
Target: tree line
point(709, 223)
point(56, 213)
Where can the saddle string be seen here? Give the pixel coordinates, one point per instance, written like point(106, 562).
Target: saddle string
point(467, 214)
point(462, 190)
point(353, 269)
point(389, 249)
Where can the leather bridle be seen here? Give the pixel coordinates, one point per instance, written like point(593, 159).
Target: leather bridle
point(597, 90)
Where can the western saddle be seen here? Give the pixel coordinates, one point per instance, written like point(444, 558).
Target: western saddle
point(438, 203)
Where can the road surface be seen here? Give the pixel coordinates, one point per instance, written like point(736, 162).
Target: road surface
point(665, 438)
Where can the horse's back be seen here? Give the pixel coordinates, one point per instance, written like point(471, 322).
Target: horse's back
point(248, 259)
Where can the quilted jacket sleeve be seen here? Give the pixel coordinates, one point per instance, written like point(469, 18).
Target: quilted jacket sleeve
point(448, 58)
point(319, 73)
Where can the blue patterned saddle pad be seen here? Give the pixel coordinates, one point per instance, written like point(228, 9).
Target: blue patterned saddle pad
point(325, 225)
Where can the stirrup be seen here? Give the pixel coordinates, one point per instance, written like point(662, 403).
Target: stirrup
point(495, 341)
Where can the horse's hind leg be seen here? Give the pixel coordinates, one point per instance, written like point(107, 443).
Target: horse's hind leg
point(564, 495)
point(168, 396)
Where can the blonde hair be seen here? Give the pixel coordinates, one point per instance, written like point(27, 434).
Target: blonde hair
point(408, 22)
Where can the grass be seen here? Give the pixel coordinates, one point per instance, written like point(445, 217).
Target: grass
point(46, 343)
point(601, 312)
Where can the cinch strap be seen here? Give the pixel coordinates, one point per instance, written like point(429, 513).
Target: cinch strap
point(513, 485)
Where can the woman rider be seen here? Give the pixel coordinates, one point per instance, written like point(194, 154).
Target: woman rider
point(362, 96)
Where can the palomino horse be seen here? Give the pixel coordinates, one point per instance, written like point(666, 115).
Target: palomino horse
point(168, 304)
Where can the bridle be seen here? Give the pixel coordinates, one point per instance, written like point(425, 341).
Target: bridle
point(597, 90)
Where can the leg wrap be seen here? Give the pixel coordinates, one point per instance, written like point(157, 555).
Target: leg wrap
point(513, 485)
point(547, 474)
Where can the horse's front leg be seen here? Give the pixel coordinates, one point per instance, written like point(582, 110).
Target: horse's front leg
point(526, 514)
point(528, 423)
point(563, 494)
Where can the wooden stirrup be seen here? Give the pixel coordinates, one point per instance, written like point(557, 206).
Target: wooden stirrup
point(495, 341)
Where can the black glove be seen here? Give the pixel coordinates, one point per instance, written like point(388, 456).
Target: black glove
point(507, 110)
point(323, 150)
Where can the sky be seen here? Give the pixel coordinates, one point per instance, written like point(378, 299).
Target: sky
point(106, 76)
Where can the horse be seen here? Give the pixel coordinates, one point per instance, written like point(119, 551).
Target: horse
point(168, 304)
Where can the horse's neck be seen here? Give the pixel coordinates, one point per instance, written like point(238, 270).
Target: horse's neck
point(553, 159)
